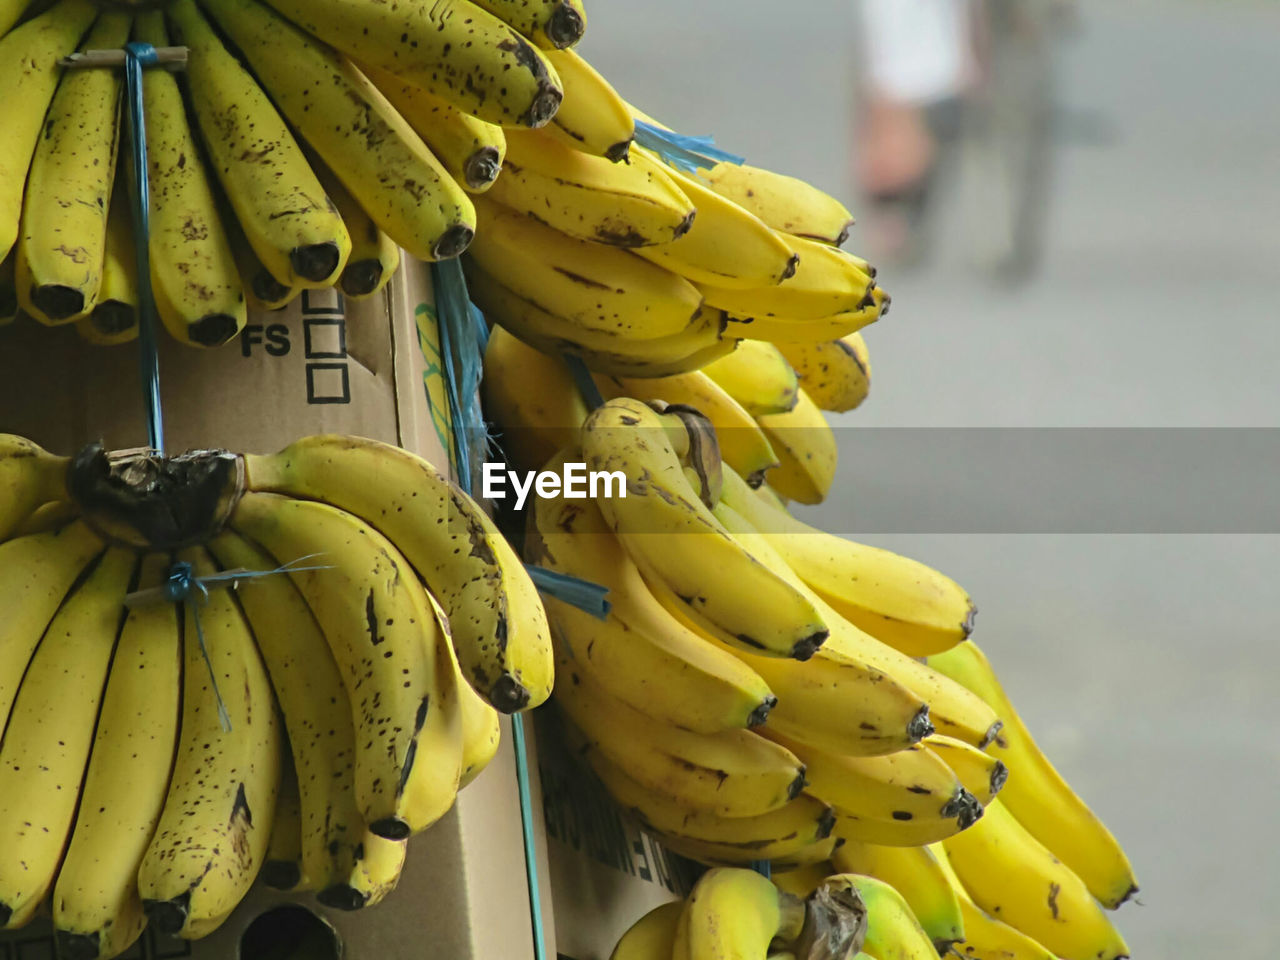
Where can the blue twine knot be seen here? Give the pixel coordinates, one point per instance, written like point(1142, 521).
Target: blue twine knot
point(144, 53)
point(182, 582)
point(681, 151)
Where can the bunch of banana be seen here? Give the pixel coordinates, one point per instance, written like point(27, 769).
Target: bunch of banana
point(734, 914)
point(300, 145)
point(307, 722)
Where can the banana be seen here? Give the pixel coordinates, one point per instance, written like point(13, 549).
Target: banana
point(198, 292)
point(290, 223)
point(262, 291)
point(368, 598)
point(743, 445)
point(47, 518)
point(499, 628)
point(216, 820)
point(8, 290)
point(471, 149)
point(317, 716)
point(986, 938)
point(597, 286)
point(725, 245)
point(784, 203)
point(64, 219)
point(909, 784)
point(457, 51)
point(282, 863)
point(1037, 794)
point(50, 732)
point(548, 23)
point(802, 881)
point(377, 870)
point(592, 117)
point(653, 936)
point(730, 773)
point(806, 856)
point(758, 376)
point(794, 825)
point(981, 774)
point(893, 931)
point(360, 136)
point(1011, 875)
point(784, 330)
point(696, 686)
point(913, 872)
point(636, 204)
point(36, 574)
point(11, 11)
point(956, 711)
point(908, 833)
point(374, 256)
point(97, 911)
point(675, 540)
point(736, 915)
point(29, 477)
point(806, 448)
point(899, 601)
point(29, 75)
point(835, 374)
point(114, 318)
point(531, 398)
point(826, 281)
point(603, 351)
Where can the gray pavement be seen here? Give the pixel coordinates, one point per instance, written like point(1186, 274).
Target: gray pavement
point(1145, 663)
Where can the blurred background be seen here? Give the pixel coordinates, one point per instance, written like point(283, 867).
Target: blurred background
point(1097, 247)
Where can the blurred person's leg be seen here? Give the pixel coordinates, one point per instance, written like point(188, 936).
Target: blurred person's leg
point(917, 59)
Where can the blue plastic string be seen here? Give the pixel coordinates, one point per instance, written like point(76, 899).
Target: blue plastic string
point(137, 56)
point(763, 867)
point(583, 594)
point(681, 151)
point(583, 381)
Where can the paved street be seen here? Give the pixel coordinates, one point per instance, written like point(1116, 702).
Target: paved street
point(1145, 663)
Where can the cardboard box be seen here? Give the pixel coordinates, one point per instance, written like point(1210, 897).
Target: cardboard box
point(320, 365)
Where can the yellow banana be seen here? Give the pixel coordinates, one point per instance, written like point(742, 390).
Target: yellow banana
point(815, 853)
point(47, 518)
point(471, 149)
point(592, 118)
point(594, 285)
point(282, 863)
point(50, 732)
point(835, 374)
point(725, 245)
point(915, 873)
point(294, 229)
point(198, 291)
point(785, 203)
point(730, 773)
point(360, 136)
point(758, 376)
point(531, 398)
point(548, 23)
point(11, 12)
point(1037, 794)
point(374, 256)
point(806, 448)
point(1011, 875)
point(899, 601)
point(36, 573)
point(636, 204)
point(826, 281)
point(457, 51)
point(986, 938)
point(803, 880)
point(216, 820)
point(905, 833)
point(404, 739)
point(29, 75)
point(743, 445)
point(377, 871)
point(696, 685)
point(982, 774)
point(653, 936)
point(956, 711)
point(114, 318)
point(736, 914)
point(97, 911)
point(499, 628)
point(783, 330)
point(893, 931)
point(675, 540)
point(29, 477)
point(262, 291)
point(64, 220)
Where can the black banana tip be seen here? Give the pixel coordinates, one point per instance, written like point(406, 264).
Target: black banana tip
point(944, 946)
point(315, 261)
point(56, 301)
point(826, 823)
point(281, 874)
point(920, 726)
point(789, 270)
point(685, 225)
point(796, 787)
point(508, 695)
point(390, 828)
point(482, 167)
point(620, 152)
point(77, 946)
point(213, 330)
point(843, 235)
point(989, 737)
point(1128, 895)
point(342, 897)
point(999, 774)
point(168, 916)
point(970, 809)
point(966, 627)
point(760, 714)
point(112, 316)
point(361, 278)
point(5, 913)
point(565, 27)
point(267, 288)
point(453, 241)
point(806, 648)
point(544, 106)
